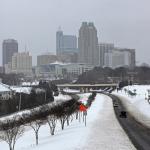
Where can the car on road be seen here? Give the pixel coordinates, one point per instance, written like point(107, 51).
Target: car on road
point(123, 114)
point(115, 105)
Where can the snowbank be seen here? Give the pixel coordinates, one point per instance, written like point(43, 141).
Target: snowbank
point(137, 105)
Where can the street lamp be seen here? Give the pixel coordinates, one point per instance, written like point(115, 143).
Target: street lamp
point(45, 95)
point(20, 100)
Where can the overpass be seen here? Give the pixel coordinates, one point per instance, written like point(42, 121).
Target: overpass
point(87, 87)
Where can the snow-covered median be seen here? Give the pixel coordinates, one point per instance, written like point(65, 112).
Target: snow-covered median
point(137, 105)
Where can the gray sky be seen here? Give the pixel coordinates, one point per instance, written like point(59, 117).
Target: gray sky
point(126, 23)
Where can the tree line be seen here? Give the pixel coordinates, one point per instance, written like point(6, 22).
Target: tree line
point(140, 75)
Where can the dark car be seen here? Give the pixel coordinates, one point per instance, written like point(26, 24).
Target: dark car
point(115, 105)
point(123, 114)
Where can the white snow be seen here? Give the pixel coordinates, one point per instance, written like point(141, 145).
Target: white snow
point(71, 90)
point(30, 83)
point(62, 97)
point(137, 105)
point(18, 89)
point(102, 132)
point(4, 88)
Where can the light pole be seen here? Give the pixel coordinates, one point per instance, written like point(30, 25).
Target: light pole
point(20, 100)
point(45, 95)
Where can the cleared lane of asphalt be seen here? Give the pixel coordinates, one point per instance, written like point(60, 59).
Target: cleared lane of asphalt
point(138, 133)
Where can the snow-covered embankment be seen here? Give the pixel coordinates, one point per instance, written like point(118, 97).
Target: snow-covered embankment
point(137, 105)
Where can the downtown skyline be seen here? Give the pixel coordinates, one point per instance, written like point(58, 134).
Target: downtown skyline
point(36, 28)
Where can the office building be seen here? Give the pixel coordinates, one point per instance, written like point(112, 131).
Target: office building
point(46, 59)
point(119, 57)
point(21, 64)
point(68, 57)
point(62, 70)
point(9, 46)
point(104, 48)
point(88, 44)
point(65, 43)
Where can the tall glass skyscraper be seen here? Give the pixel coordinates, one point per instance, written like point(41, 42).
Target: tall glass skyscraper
point(10, 46)
point(65, 43)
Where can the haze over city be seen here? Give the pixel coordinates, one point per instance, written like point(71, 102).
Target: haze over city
point(34, 23)
point(74, 75)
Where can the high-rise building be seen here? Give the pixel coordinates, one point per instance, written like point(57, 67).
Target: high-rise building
point(10, 46)
point(119, 57)
point(104, 48)
point(131, 54)
point(88, 44)
point(45, 59)
point(65, 43)
point(59, 42)
point(21, 63)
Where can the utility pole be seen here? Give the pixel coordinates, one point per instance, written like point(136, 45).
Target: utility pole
point(20, 101)
point(45, 95)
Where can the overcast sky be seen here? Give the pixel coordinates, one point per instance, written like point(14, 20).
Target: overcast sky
point(34, 23)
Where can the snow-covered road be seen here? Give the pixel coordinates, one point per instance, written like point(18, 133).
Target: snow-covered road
point(102, 132)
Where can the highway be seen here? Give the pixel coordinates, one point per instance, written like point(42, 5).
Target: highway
point(138, 133)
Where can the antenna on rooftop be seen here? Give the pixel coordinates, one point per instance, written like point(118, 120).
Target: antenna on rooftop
point(59, 28)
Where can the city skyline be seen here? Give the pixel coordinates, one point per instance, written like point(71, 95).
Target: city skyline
point(33, 23)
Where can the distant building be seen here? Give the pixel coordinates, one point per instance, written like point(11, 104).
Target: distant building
point(46, 59)
point(8, 68)
point(62, 70)
point(1, 69)
point(21, 63)
point(129, 56)
point(88, 44)
point(119, 57)
point(71, 71)
point(104, 48)
point(68, 57)
point(9, 46)
point(65, 43)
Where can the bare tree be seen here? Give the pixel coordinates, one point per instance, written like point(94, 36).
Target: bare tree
point(62, 121)
point(70, 118)
point(52, 121)
point(35, 125)
point(10, 132)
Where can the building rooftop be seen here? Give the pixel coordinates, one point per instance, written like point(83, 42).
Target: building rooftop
point(4, 88)
point(10, 41)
